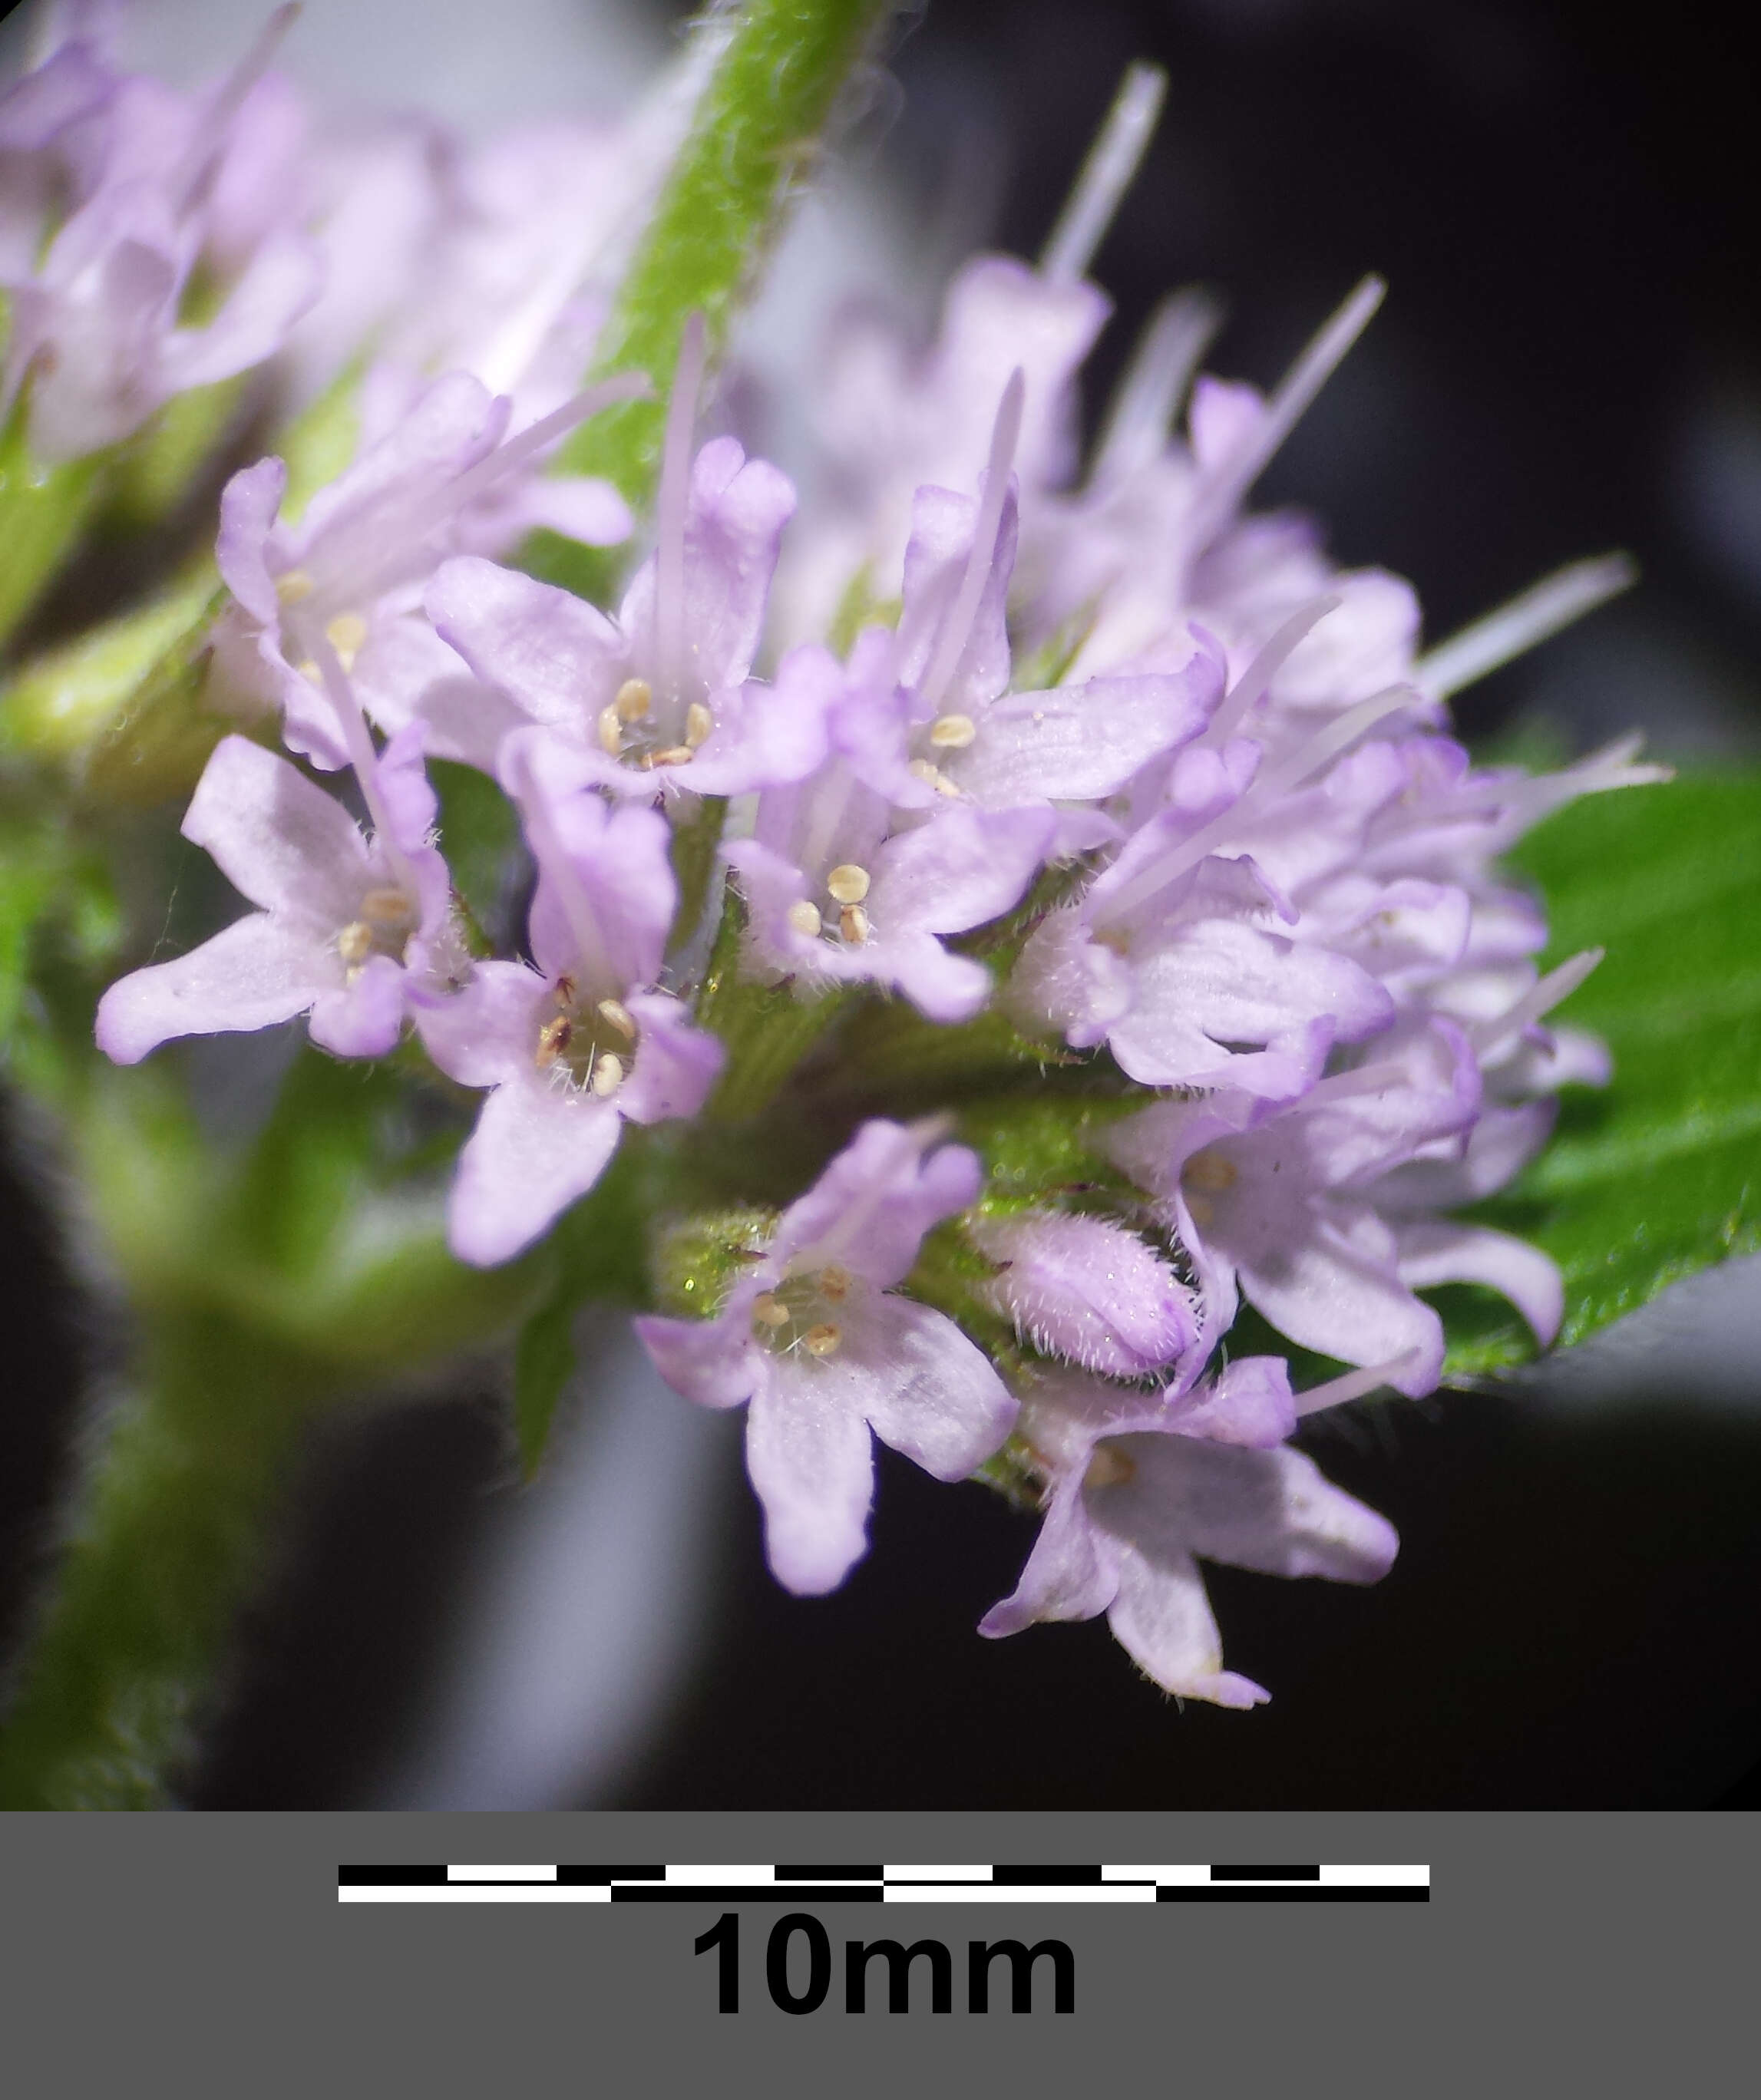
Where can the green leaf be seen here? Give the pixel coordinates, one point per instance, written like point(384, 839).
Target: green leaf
point(757, 129)
point(1659, 1175)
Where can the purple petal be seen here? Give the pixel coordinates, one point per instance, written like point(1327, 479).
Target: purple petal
point(1071, 1574)
point(257, 971)
point(280, 282)
point(870, 1207)
point(811, 1460)
point(363, 1019)
point(553, 654)
point(1270, 1511)
point(1438, 1252)
point(1328, 1281)
point(765, 736)
point(1084, 742)
point(714, 1362)
point(1162, 1619)
point(734, 516)
point(1249, 1402)
point(676, 1063)
point(958, 871)
point(487, 1032)
point(277, 837)
point(249, 504)
point(535, 1149)
point(924, 1388)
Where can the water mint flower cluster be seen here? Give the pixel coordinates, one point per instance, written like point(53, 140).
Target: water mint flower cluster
point(1003, 916)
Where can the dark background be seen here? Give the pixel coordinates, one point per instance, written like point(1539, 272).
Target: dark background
point(1560, 197)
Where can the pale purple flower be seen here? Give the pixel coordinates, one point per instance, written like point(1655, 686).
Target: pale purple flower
point(573, 1049)
point(1179, 984)
point(97, 335)
point(348, 926)
point(1138, 1491)
point(892, 421)
point(659, 698)
point(1280, 1201)
point(841, 885)
point(1078, 744)
point(815, 1338)
point(1086, 1289)
point(349, 573)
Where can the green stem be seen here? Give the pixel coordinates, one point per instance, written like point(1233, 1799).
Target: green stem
point(760, 123)
point(165, 1544)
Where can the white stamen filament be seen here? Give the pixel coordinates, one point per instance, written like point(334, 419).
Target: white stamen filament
point(956, 629)
point(1146, 400)
point(826, 800)
point(593, 952)
point(357, 740)
point(467, 487)
point(1106, 174)
point(1487, 1036)
point(1326, 744)
point(1523, 622)
point(670, 507)
point(1271, 659)
point(1236, 474)
point(186, 184)
point(1354, 1384)
point(372, 553)
point(1364, 1079)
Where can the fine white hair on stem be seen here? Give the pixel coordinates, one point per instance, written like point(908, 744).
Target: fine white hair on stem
point(1107, 175)
point(1508, 630)
point(1236, 474)
point(1179, 331)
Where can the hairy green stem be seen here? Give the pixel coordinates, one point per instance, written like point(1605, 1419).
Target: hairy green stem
point(166, 1543)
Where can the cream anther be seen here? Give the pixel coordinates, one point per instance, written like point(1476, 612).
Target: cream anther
point(675, 754)
point(847, 883)
point(607, 1074)
point(1210, 1171)
point(1109, 1468)
point(834, 1283)
point(952, 732)
point(616, 1016)
point(770, 1311)
point(354, 943)
point(552, 1042)
point(611, 732)
point(933, 776)
point(852, 923)
point(804, 918)
point(388, 908)
point(295, 587)
point(345, 633)
point(822, 1340)
point(700, 724)
point(632, 700)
